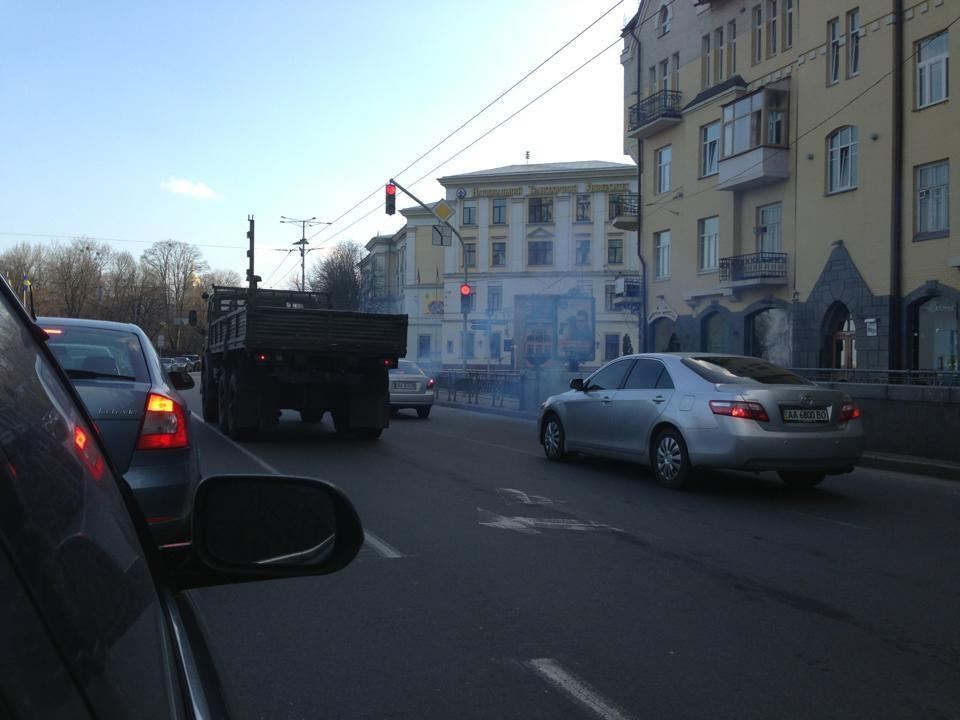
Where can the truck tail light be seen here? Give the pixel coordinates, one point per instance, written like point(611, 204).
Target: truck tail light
point(430, 383)
point(748, 410)
point(164, 424)
point(849, 411)
point(389, 363)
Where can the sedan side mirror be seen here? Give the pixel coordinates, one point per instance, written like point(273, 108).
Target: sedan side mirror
point(256, 527)
point(576, 384)
point(180, 380)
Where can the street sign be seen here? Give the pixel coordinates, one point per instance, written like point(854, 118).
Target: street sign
point(444, 210)
point(480, 325)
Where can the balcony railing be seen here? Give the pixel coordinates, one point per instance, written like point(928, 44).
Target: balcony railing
point(624, 204)
point(753, 267)
point(664, 104)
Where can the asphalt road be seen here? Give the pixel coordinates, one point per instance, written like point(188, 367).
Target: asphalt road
point(496, 584)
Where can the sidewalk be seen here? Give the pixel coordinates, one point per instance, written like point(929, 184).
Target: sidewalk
point(881, 461)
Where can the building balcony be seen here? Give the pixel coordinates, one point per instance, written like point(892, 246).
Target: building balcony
point(764, 268)
point(754, 168)
point(625, 211)
point(653, 114)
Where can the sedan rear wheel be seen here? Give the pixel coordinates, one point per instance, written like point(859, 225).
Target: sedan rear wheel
point(553, 440)
point(802, 480)
point(671, 463)
point(423, 413)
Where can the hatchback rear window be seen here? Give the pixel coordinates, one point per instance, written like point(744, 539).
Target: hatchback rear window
point(722, 369)
point(83, 350)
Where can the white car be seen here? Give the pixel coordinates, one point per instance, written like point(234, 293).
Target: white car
point(411, 388)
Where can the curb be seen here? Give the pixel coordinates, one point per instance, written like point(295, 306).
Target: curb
point(880, 461)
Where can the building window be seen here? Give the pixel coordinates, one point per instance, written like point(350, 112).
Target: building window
point(933, 197)
point(611, 347)
point(466, 303)
point(753, 120)
point(757, 34)
point(469, 214)
point(583, 207)
point(769, 220)
point(499, 254)
point(842, 160)
point(494, 298)
point(470, 254)
point(652, 80)
point(583, 252)
point(787, 24)
point(718, 50)
point(541, 210)
point(771, 28)
point(853, 42)
point(661, 250)
point(499, 211)
point(495, 343)
point(540, 252)
point(471, 345)
point(615, 251)
point(833, 51)
point(423, 346)
point(709, 241)
point(706, 77)
point(664, 20)
point(731, 48)
point(449, 347)
point(665, 75)
point(664, 156)
point(675, 72)
point(933, 56)
point(710, 149)
point(935, 335)
point(609, 296)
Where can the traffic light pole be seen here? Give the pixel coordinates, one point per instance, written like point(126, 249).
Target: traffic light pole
point(418, 201)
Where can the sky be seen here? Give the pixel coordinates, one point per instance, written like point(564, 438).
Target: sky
point(135, 122)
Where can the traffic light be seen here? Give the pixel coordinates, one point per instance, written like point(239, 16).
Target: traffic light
point(391, 198)
point(465, 290)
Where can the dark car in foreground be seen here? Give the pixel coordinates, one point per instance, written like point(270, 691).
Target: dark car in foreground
point(93, 623)
point(141, 416)
point(681, 411)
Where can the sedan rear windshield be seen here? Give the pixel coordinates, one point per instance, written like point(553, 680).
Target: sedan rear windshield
point(99, 352)
point(407, 368)
point(720, 369)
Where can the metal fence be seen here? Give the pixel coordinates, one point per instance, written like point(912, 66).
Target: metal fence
point(927, 378)
point(496, 388)
point(665, 103)
point(752, 266)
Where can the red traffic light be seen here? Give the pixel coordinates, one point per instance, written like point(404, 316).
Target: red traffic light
point(391, 199)
point(391, 189)
point(465, 290)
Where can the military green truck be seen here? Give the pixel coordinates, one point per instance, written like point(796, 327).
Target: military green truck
point(273, 350)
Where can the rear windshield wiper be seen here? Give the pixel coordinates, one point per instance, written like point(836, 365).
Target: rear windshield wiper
point(92, 374)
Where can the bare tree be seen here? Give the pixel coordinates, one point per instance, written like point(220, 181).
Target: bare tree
point(176, 267)
point(73, 276)
point(339, 274)
point(23, 260)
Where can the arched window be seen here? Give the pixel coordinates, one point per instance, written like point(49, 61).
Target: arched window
point(664, 20)
point(842, 154)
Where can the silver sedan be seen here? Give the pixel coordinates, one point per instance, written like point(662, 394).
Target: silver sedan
point(410, 387)
point(677, 412)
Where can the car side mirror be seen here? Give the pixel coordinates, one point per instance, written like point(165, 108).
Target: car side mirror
point(577, 384)
point(261, 526)
point(180, 380)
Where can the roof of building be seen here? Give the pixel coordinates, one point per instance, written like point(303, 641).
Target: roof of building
point(580, 166)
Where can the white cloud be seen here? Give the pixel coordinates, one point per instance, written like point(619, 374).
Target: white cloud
point(182, 186)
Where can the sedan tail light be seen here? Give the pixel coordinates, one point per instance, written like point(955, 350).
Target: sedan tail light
point(849, 411)
point(430, 384)
point(164, 424)
point(737, 409)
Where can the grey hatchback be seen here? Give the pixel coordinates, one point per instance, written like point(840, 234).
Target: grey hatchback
point(143, 420)
point(681, 411)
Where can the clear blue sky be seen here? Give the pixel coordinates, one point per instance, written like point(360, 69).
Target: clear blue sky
point(279, 108)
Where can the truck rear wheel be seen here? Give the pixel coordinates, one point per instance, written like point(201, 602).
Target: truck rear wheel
point(211, 399)
point(228, 409)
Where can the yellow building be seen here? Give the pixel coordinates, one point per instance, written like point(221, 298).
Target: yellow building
point(796, 178)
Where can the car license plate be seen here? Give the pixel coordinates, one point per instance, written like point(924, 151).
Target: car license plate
point(806, 415)
point(404, 386)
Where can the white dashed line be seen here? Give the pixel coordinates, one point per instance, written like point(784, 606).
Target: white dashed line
point(576, 689)
point(377, 544)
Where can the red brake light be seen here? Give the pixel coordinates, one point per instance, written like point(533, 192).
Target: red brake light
point(390, 363)
point(262, 357)
point(53, 331)
point(79, 438)
point(164, 424)
point(88, 452)
point(748, 410)
point(430, 384)
point(849, 411)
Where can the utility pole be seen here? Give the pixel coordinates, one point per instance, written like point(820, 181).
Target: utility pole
point(252, 279)
point(302, 243)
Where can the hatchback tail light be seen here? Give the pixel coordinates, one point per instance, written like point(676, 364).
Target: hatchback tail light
point(430, 384)
point(164, 424)
point(737, 409)
point(849, 411)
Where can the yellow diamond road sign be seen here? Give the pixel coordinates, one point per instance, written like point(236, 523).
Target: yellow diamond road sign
point(444, 210)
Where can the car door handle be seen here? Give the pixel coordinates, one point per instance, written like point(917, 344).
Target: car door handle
point(605, 401)
point(659, 399)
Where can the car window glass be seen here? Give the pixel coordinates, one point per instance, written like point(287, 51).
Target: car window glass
point(110, 352)
point(610, 376)
point(67, 530)
point(665, 382)
point(408, 368)
point(644, 375)
point(742, 370)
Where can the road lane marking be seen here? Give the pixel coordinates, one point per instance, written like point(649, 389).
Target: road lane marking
point(532, 526)
point(379, 546)
point(519, 497)
point(576, 689)
point(829, 520)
